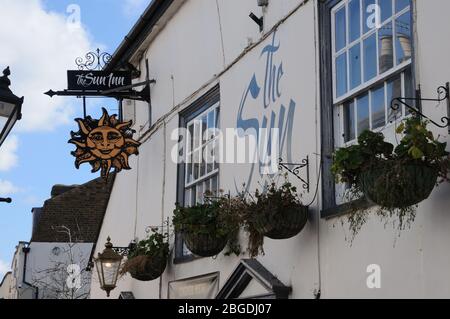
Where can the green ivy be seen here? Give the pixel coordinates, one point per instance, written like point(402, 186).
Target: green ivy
point(154, 245)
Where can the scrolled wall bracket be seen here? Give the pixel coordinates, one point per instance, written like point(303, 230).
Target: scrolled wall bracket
point(295, 168)
point(93, 61)
point(124, 251)
point(443, 95)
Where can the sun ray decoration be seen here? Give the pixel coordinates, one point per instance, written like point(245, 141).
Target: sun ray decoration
point(105, 143)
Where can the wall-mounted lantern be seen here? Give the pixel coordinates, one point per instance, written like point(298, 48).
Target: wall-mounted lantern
point(10, 111)
point(10, 107)
point(108, 266)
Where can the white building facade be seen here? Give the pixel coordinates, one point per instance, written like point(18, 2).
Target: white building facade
point(320, 72)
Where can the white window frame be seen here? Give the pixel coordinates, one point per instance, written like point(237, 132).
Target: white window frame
point(364, 85)
point(208, 177)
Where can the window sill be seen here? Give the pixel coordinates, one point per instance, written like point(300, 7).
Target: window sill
point(346, 208)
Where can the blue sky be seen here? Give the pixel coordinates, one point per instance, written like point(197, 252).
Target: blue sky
point(37, 155)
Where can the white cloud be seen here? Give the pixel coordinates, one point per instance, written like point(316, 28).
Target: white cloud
point(7, 188)
point(39, 47)
point(133, 8)
point(4, 268)
point(8, 153)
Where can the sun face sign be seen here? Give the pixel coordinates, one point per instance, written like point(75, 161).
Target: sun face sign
point(106, 144)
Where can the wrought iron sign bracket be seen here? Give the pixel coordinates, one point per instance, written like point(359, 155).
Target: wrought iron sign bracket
point(119, 93)
point(443, 95)
point(295, 168)
point(6, 200)
point(94, 64)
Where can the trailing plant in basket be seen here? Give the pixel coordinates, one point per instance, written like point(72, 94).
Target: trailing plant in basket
point(279, 212)
point(394, 178)
point(276, 213)
point(207, 228)
point(148, 260)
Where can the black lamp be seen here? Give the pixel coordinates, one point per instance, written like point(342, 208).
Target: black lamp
point(10, 107)
point(10, 111)
point(108, 267)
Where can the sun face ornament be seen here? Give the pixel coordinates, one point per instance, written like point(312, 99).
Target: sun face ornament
point(105, 144)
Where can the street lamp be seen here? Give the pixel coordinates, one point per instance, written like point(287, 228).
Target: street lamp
point(10, 111)
point(108, 267)
point(10, 107)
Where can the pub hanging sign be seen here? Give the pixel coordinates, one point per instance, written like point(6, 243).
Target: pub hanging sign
point(97, 80)
point(106, 143)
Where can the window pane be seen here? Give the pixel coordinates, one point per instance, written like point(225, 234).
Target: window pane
point(215, 153)
point(204, 128)
point(349, 122)
point(207, 188)
point(197, 132)
point(189, 177)
point(196, 165)
point(354, 11)
point(386, 48)
point(341, 74)
point(403, 38)
point(203, 162)
point(191, 137)
point(370, 58)
point(217, 118)
point(386, 9)
point(187, 197)
point(369, 15)
point(401, 4)
point(200, 192)
point(394, 90)
point(409, 89)
point(211, 125)
point(363, 113)
point(340, 29)
point(355, 66)
point(378, 109)
point(190, 201)
point(210, 158)
point(215, 185)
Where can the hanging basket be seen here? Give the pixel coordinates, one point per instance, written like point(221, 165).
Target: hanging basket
point(395, 186)
point(146, 268)
point(285, 224)
point(204, 244)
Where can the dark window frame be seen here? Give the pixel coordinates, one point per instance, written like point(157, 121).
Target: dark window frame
point(208, 100)
point(329, 204)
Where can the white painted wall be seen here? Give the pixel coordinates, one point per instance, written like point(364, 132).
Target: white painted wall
point(43, 258)
point(18, 288)
point(187, 58)
point(6, 287)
